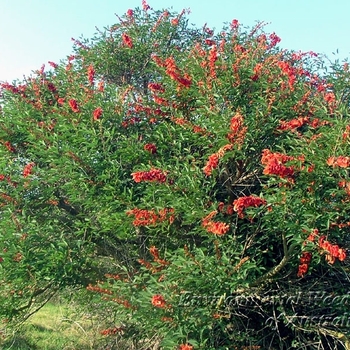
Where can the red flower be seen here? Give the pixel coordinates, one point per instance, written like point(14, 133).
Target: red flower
point(74, 105)
point(238, 131)
point(156, 87)
point(173, 71)
point(60, 101)
point(97, 113)
point(150, 147)
point(53, 64)
point(274, 164)
point(145, 217)
point(145, 6)
point(130, 13)
point(9, 147)
point(154, 252)
point(247, 201)
point(91, 74)
point(185, 347)
point(234, 24)
point(217, 228)
point(153, 175)
point(127, 40)
point(158, 301)
point(101, 86)
point(27, 170)
point(305, 260)
point(341, 161)
point(213, 160)
point(212, 164)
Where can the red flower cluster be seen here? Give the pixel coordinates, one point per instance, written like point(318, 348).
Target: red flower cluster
point(341, 161)
point(91, 74)
point(145, 217)
point(173, 71)
point(74, 105)
point(158, 301)
point(332, 250)
point(234, 24)
point(27, 170)
point(225, 209)
point(185, 347)
point(111, 331)
point(274, 164)
point(101, 86)
point(289, 71)
point(97, 113)
point(305, 260)
point(127, 40)
point(237, 130)
point(345, 184)
point(156, 87)
point(155, 253)
point(9, 147)
point(53, 64)
point(130, 13)
point(215, 227)
point(293, 124)
point(98, 289)
point(150, 147)
point(247, 201)
point(145, 6)
point(153, 175)
point(346, 133)
point(213, 56)
point(213, 160)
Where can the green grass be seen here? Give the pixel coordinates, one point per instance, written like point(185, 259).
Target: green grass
point(55, 326)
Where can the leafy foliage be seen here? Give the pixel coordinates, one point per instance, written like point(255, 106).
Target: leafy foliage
point(190, 171)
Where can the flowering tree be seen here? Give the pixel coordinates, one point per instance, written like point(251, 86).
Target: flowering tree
point(204, 177)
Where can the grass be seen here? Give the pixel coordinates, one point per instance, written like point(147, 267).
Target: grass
point(55, 326)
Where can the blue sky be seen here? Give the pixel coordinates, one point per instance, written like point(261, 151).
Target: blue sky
point(33, 32)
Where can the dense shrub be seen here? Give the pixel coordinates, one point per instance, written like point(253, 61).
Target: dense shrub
point(198, 181)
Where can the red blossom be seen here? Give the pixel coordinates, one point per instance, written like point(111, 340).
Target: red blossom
point(213, 160)
point(150, 147)
point(145, 217)
point(156, 87)
point(27, 170)
point(247, 201)
point(333, 251)
point(130, 13)
point(341, 161)
point(274, 164)
point(74, 105)
point(238, 131)
point(153, 175)
point(97, 113)
point(60, 101)
point(127, 40)
point(158, 301)
point(173, 71)
point(293, 124)
point(145, 6)
point(185, 347)
point(234, 24)
point(91, 74)
point(9, 147)
point(101, 86)
point(53, 64)
point(216, 227)
point(305, 260)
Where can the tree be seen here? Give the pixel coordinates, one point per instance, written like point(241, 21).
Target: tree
point(204, 176)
